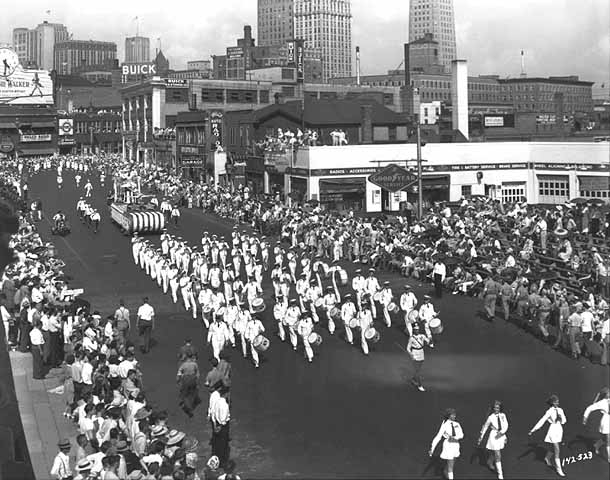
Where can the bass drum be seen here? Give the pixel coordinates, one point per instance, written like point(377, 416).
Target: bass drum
point(335, 313)
point(413, 316)
point(342, 277)
point(372, 335)
point(261, 343)
point(258, 305)
point(436, 326)
point(353, 323)
point(315, 339)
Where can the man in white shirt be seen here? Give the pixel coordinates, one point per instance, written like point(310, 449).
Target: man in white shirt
point(146, 323)
point(438, 274)
point(408, 302)
point(61, 465)
point(220, 416)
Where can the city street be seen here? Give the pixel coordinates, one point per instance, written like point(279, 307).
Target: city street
point(346, 414)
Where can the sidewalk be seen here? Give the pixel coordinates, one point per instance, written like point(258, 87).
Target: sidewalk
point(41, 414)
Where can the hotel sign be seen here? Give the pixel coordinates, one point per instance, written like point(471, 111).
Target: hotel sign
point(45, 137)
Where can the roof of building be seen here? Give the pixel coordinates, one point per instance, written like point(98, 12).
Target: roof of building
point(330, 112)
point(96, 96)
point(571, 80)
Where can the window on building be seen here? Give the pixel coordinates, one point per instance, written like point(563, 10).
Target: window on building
point(212, 95)
point(553, 188)
point(466, 190)
point(263, 96)
point(513, 192)
point(288, 91)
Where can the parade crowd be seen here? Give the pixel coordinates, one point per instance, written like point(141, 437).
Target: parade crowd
point(537, 264)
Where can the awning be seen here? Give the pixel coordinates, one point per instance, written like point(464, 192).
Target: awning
point(343, 185)
point(435, 182)
point(36, 151)
point(8, 125)
point(45, 124)
point(594, 184)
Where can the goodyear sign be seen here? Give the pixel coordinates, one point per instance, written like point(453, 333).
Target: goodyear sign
point(393, 178)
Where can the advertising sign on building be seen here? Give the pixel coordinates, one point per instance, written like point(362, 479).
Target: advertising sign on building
point(300, 60)
point(291, 54)
point(138, 69)
point(176, 82)
point(216, 126)
point(23, 87)
point(234, 53)
point(40, 137)
point(6, 144)
point(66, 126)
point(393, 178)
point(545, 119)
point(494, 121)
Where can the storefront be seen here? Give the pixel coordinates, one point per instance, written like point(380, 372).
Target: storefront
point(539, 173)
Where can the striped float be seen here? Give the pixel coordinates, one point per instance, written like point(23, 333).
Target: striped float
point(147, 222)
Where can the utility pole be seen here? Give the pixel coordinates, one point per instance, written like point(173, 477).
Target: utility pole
point(420, 193)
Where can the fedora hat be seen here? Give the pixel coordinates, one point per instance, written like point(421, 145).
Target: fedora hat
point(158, 431)
point(141, 414)
point(64, 444)
point(84, 465)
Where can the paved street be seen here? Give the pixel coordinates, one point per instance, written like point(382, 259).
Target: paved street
point(345, 415)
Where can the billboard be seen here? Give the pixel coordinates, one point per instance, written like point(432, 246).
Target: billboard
point(216, 127)
point(66, 126)
point(23, 87)
point(234, 53)
point(300, 60)
point(499, 120)
point(291, 54)
point(138, 69)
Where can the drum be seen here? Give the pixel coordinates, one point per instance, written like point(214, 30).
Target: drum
point(215, 282)
point(335, 313)
point(314, 339)
point(377, 296)
point(372, 335)
point(318, 303)
point(303, 262)
point(206, 309)
point(220, 312)
point(413, 316)
point(436, 326)
point(392, 307)
point(325, 269)
point(342, 277)
point(260, 343)
point(258, 305)
point(277, 311)
point(561, 233)
point(353, 323)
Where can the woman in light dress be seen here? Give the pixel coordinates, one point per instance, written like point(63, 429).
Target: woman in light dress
point(601, 403)
point(451, 433)
point(497, 424)
point(555, 417)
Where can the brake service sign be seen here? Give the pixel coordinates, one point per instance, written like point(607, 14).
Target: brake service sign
point(393, 178)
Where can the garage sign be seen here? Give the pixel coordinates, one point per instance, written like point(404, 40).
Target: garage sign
point(393, 178)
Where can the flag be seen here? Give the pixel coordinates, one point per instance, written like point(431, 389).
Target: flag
point(522, 52)
point(48, 12)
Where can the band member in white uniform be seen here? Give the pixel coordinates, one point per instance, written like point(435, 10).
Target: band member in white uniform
point(451, 433)
point(348, 312)
point(365, 321)
point(314, 292)
point(292, 318)
point(301, 288)
point(254, 328)
point(252, 292)
point(371, 287)
point(497, 424)
point(173, 281)
point(231, 316)
point(240, 327)
point(415, 348)
point(279, 314)
point(555, 417)
point(205, 303)
point(330, 303)
point(427, 313)
point(218, 334)
point(601, 404)
point(305, 328)
point(386, 298)
point(408, 302)
point(358, 287)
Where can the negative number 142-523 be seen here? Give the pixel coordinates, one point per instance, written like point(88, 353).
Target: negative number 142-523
point(577, 458)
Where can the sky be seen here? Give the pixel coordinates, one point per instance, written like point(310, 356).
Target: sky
point(559, 37)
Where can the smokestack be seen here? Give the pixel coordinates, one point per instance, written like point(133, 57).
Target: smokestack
point(523, 74)
point(459, 96)
point(358, 66)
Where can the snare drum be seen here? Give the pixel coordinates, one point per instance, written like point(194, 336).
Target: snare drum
point(318, 303)
point(342, 277)
point(258, 305)
point(314, 339)
point(413, 316)
point(220, 312)
point(277, 311)
point(353, 323)
point(335, 313)
point(207, 309)
point(260, 343)
point(372, 335)
point(377, 296)
point(392, 307)
point(436, 326)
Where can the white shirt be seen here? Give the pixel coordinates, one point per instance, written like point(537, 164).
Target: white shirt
point(61, 466)
point(146, 312)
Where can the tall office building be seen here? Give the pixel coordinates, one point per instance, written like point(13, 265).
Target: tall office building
point(137, 49)
point(25, 43)
point(435, 17)
point(324, 25)
point(79, 56)
point(35, 47)
point(48, 35)
point(275, 22)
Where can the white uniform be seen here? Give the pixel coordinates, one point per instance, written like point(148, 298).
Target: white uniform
point(305, 328)
point(408, 302)
point(386, 299)
point(253, 329)
point(365, 321)
point(348, 312)
point(371, 286)
point(451, 433)
point(556, 419)
point(602, 406)
point(498, 423)
point(218, 334)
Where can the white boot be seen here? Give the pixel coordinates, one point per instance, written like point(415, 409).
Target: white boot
point(558, 468)
point(499, 470)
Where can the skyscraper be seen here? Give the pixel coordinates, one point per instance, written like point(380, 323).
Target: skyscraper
point(137, 49)
point(435, 17)
point(324, 25)
point(78, 56)
point(275, 22)
point(35, 46)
